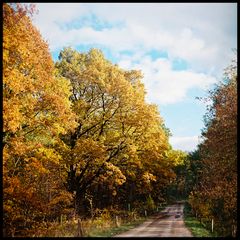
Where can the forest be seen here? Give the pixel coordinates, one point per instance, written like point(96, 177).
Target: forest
point(80, 140)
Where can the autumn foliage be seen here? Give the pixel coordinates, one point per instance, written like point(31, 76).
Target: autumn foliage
point(80, 138)
point(77, 134)
point(214, 194)
point(118, 149)
point(35, 110)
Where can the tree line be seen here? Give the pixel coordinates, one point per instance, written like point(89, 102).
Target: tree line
point(78, 134)
point(209, 174)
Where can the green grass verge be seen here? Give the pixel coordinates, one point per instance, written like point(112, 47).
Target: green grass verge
point(110, 232)
point(194, 225)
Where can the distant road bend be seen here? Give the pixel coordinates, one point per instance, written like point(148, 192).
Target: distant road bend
point(167, 223)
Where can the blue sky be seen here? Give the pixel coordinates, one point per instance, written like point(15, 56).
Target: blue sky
point(181, 48)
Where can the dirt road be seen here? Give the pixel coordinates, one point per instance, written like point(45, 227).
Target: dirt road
point(168, 223)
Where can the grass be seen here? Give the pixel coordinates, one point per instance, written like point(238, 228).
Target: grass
point(102, 227)
point(112, 231)
point(194, 225)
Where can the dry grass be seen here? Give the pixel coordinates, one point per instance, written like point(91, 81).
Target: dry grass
point(104, 224)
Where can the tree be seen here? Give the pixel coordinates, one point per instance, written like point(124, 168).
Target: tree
point(217, 187)
point(118, 134)
point(176, 189)
point(35, 110)
point(193, 170)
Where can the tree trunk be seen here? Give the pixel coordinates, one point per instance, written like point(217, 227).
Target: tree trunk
point(82, 205)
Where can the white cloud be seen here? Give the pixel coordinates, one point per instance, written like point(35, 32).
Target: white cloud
point(165, 85)
point(188, 143)
point(202, 34)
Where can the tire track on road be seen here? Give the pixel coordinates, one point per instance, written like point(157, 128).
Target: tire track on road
point(168, 223)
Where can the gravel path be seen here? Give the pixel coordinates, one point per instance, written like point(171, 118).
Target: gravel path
point(168, 223)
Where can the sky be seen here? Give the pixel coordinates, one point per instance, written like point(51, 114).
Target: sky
point(181, 49)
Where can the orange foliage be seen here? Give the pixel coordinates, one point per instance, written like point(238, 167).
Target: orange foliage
point(35, 110)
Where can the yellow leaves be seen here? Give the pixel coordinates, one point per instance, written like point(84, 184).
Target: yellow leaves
point(36, 109)
point(11, 119)
point(35, 167)
point(203, 208)
point(175, 157)
point(12, 185)
point(18, 146)
point(64, 198)
point(30, 86)
point(80, 107)
point(48, 155)
point(132, 150)
point(148, 177)
point(89, 149)
point(215, 192)
point(108, 130)
point(114, 173)
point(115, 123)
point(58, 128)
point(15, 81)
